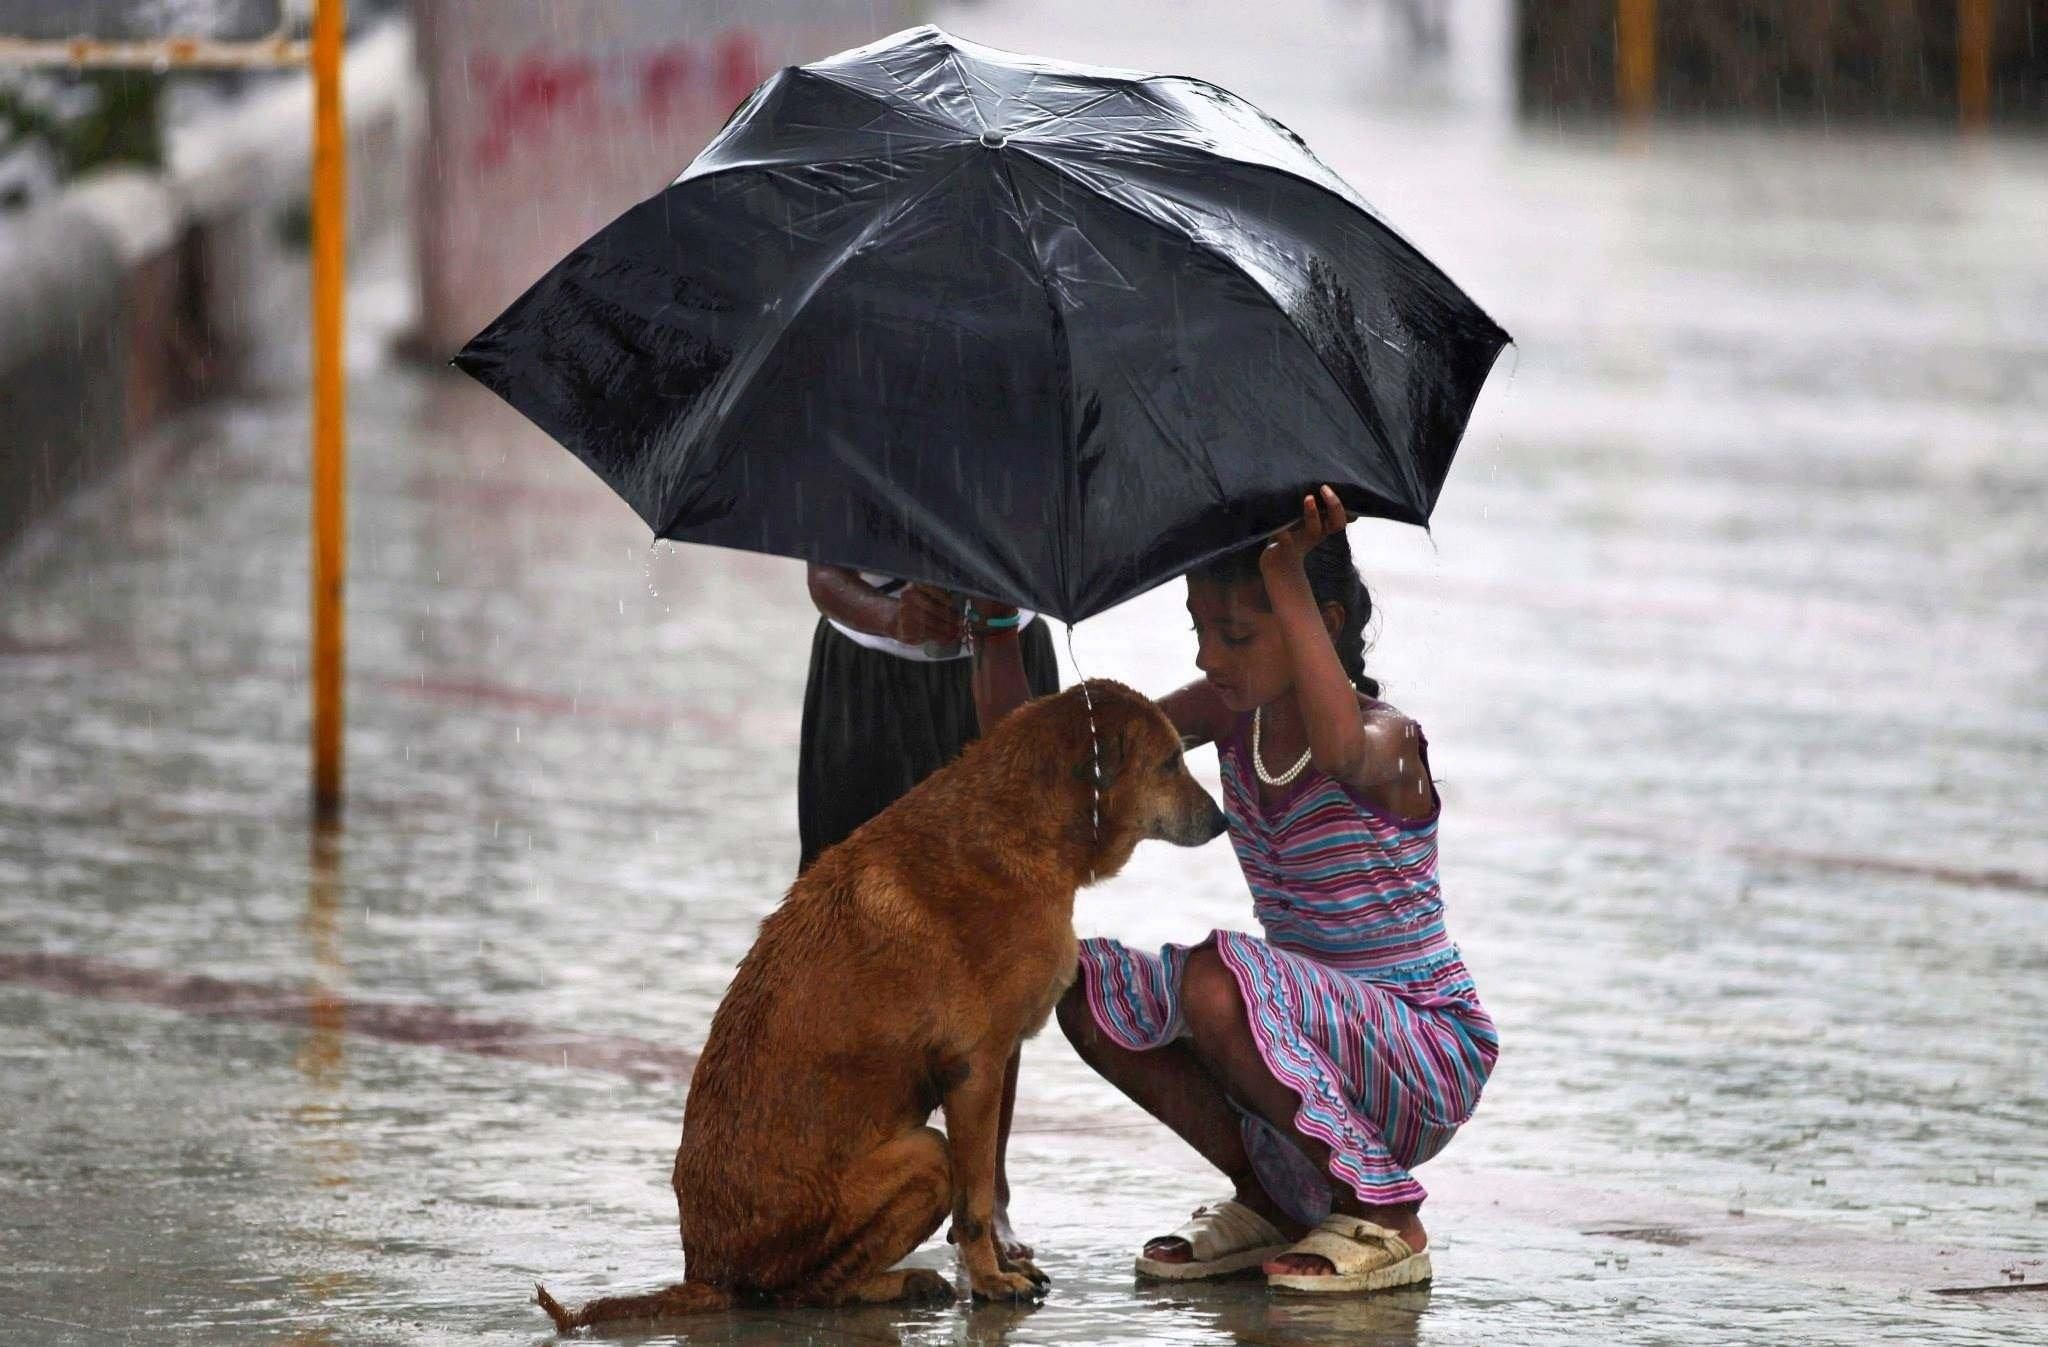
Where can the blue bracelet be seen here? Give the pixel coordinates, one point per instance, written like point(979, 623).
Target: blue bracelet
point(1000, 623)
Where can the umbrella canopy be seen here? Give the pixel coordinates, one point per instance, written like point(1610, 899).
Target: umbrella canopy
point(1041, 332)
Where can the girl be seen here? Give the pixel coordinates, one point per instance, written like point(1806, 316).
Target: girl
point(1317, 1066)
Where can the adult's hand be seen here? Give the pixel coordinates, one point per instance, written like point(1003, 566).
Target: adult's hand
point(926, 613)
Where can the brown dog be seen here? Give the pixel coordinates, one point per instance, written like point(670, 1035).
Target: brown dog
point(899, 975)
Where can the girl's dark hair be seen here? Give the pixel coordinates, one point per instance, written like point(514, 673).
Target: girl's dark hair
point(1331, 579)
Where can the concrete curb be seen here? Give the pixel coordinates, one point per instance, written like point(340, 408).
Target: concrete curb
point(133, 293)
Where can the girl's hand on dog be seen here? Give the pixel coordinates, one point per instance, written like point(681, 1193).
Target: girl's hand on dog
point(926, 613)
point(1321, 515)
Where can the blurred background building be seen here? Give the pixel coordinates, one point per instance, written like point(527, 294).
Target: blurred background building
point(527, 123)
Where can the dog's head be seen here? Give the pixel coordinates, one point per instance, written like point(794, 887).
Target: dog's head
point(1133, 774)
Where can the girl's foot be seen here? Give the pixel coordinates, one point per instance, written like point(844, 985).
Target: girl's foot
point(1404, 1221)
point(1232, 1236)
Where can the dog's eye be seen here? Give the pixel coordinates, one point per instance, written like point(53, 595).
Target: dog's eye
point(1166, 768)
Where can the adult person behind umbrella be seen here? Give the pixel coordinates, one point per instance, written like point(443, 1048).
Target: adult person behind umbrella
point(892, 694)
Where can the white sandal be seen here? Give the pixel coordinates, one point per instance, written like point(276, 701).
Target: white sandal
point(1362, 1257)
point(1225, 1237)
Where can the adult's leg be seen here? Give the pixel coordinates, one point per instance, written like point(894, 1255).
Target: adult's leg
point(874, 726)
point(1221, 1032)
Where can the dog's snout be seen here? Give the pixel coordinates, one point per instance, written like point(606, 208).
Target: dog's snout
point(1199, 822)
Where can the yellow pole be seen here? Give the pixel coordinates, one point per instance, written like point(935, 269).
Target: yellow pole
point(1973, 63)
point(1635, 59)
point(330, 263)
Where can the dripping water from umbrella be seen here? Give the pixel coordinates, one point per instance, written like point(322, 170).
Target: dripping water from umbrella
point(1094, 748)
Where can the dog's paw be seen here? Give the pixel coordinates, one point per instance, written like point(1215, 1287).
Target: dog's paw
point(1024, 1266)
point(925, 1286)
point(1005, 1286)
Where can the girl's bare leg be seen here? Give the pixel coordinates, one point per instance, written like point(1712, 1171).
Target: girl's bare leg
point(1173, 1085)
point(1223, 1041)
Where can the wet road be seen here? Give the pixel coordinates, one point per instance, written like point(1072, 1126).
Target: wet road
point(1729, 640)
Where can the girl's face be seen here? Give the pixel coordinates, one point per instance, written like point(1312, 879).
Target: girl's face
point(1238, 643)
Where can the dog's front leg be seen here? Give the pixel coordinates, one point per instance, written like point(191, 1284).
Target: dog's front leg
point(974, 1107)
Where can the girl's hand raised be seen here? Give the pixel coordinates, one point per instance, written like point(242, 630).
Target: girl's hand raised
point(1321, 515)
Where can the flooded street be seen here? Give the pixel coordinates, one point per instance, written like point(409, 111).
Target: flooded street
point(1730, 638)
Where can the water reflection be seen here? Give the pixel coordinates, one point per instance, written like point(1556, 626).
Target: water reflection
point(322, 1060)
point(1245, 1311)
point(989, 1324)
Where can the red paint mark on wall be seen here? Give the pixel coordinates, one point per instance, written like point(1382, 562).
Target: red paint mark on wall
point(532, 98)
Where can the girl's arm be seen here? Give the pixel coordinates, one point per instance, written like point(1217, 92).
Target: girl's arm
point(1375, 755)
point(1197, 713)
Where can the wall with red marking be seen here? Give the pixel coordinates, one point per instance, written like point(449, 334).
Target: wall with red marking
point(546, 118)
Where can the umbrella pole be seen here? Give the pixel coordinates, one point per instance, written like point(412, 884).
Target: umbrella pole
point(1635, 60)
point(1973, 64)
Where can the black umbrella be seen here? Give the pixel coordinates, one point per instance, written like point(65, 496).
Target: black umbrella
point(1041, 332)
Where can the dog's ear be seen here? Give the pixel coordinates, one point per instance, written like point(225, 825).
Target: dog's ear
point(1105, 754)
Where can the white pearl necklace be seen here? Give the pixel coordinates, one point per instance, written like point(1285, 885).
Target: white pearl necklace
point(1259, 758)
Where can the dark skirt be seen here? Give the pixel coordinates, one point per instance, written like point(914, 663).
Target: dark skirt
point(876, 725)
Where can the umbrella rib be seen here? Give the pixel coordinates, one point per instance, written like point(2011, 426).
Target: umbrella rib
point(1055, 118)
point(953, 60)
point(884, 156)
point(906, 110)
point(1348, 197)
point(758, 355)
point(1070, 452)
point(1414, 256)
point(1371, 417)
point(882, 108)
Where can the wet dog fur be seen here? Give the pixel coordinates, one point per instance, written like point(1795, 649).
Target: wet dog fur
point(898, 976)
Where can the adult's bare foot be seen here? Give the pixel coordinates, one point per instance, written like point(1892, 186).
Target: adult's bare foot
point(1007, 1243)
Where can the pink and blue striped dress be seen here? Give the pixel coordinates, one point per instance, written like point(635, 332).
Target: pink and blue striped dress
point(1358, 1000)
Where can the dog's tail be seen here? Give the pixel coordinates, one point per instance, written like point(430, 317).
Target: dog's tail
point(681, 1298)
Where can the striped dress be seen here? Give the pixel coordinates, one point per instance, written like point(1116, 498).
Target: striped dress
point(1357, 997)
